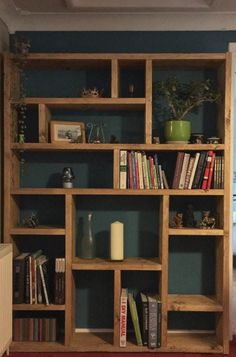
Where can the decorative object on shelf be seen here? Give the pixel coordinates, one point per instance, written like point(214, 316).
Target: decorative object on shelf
point(67, 177)
point(21, 45)
point(113, 139)
point(131, 90)
point(197, 138)
point(213, 140)
point(156, 140)
point(207, 221)
point(88, 242)
point(177, 221)
point(91, 93)
point(96, 133)
point(179, 100)
point(31, 221)
point(117, 241)
point(67, 131)
point(188, 217)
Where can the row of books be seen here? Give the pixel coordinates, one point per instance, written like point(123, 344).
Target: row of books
point(33, 282)
point(34, 329)
point(146, 318)
point(141, 171)
point(203, 170)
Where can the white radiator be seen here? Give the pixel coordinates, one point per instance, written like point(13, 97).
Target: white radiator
point(5, 297)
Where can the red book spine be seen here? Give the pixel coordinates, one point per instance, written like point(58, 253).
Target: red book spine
point(207, 169)
point(130, 170)
point(211, 171)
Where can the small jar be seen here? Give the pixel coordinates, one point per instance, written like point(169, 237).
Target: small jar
point(197, 138)
point(213, 140)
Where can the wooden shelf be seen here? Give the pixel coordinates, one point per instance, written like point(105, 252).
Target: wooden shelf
point(195, 232)
point(111, 147)
point(38, 307)
point(114, 192)
point(40, 230)
point(128, 264)
point(193, 303)
point(193, 342)
point(38, 346)
point(88, 103)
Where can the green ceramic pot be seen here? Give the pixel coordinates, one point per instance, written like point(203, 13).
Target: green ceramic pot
point(177, 131)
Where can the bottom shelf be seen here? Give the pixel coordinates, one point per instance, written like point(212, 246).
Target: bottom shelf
point(103, 342)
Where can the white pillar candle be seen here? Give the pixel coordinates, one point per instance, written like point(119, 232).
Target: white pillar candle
point(117, 241)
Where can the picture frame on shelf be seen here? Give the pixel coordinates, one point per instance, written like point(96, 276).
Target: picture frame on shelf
point(67, 131)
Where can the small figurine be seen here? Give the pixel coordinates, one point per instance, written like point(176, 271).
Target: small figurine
point(188, 217)
point(131, 90)
point(207, 222)
point(31, 221)
point(178, 220)
point(67, 177)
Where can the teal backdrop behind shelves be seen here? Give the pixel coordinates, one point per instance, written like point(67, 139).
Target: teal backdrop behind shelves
point(136, 42)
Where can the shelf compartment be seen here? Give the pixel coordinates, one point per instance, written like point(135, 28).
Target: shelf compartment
point(193, 342)
point(178, 302)
point(151, 264)
point(195, 232)
point(38, 307)
point(40, 230)
point(41, 170)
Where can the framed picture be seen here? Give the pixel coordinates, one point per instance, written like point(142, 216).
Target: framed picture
point(67, 131)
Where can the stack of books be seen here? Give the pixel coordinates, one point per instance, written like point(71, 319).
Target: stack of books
point(146, 319)
point(139, 170)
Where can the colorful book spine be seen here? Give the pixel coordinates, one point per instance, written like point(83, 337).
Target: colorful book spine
point(178, 168)
point(207, 169)
point(135, 319)
point(123, 317)
point(195, 164)
point(19, 272)
point(123, 169)
point(184, 170)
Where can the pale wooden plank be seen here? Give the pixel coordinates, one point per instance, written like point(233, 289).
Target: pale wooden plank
point(114, 78)
point(195, 232)
point(193, 342)
point(109, 147)
point(152, 264)
point(44, 121)
point(69, 292)
point(164, 253)
point(114, 192)
point(40, 230)
point(38, 307)
point(148, 108)
point(180, 302)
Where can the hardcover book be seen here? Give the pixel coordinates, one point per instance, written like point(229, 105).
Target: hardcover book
point(123, 169)
point(135, 319)
point(123, 317)
point(19, 272)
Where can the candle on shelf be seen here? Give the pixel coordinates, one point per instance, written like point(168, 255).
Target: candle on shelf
point(117, 241)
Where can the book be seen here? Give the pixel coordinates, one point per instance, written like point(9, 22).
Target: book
point(144, 318)
point(59, 281)
point(135, 318)
point(44, 279)
point(165, 182)
point(183, 172)
point(207, 169)
point(123, 317)
point(209, 182)
point(152, 321)
point(199, 170)
point(33, 277)
point(123, 169)
point(141, 183)
point(189, 171)
point(196, 159)
point(178, 168)
point(19, 272)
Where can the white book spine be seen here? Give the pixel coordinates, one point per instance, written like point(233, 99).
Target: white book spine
point(123, 318)
point(123, 169)
point(193, 170)
point(184, 170)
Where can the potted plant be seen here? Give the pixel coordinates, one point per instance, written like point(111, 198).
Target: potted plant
point(179, 99)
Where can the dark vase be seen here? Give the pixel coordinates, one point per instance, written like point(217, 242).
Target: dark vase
point(88, 242)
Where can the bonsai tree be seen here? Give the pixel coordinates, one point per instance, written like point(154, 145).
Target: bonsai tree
point(181, 98)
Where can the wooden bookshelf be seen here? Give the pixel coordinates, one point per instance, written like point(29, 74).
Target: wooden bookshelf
point(150, 246)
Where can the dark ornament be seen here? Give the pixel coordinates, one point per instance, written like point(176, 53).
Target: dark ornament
point(188, 217)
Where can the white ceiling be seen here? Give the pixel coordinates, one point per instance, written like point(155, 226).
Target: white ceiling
point(139, 15)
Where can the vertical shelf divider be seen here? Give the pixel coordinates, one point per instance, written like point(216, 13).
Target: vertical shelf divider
point(163, 248)
point(44, 122)
point(69, 254)
point(148, 106)
point(114, 78)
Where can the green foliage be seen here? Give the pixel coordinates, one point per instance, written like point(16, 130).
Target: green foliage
point(181, 98)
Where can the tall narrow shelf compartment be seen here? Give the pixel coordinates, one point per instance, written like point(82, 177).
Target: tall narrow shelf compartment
point(187, 267)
